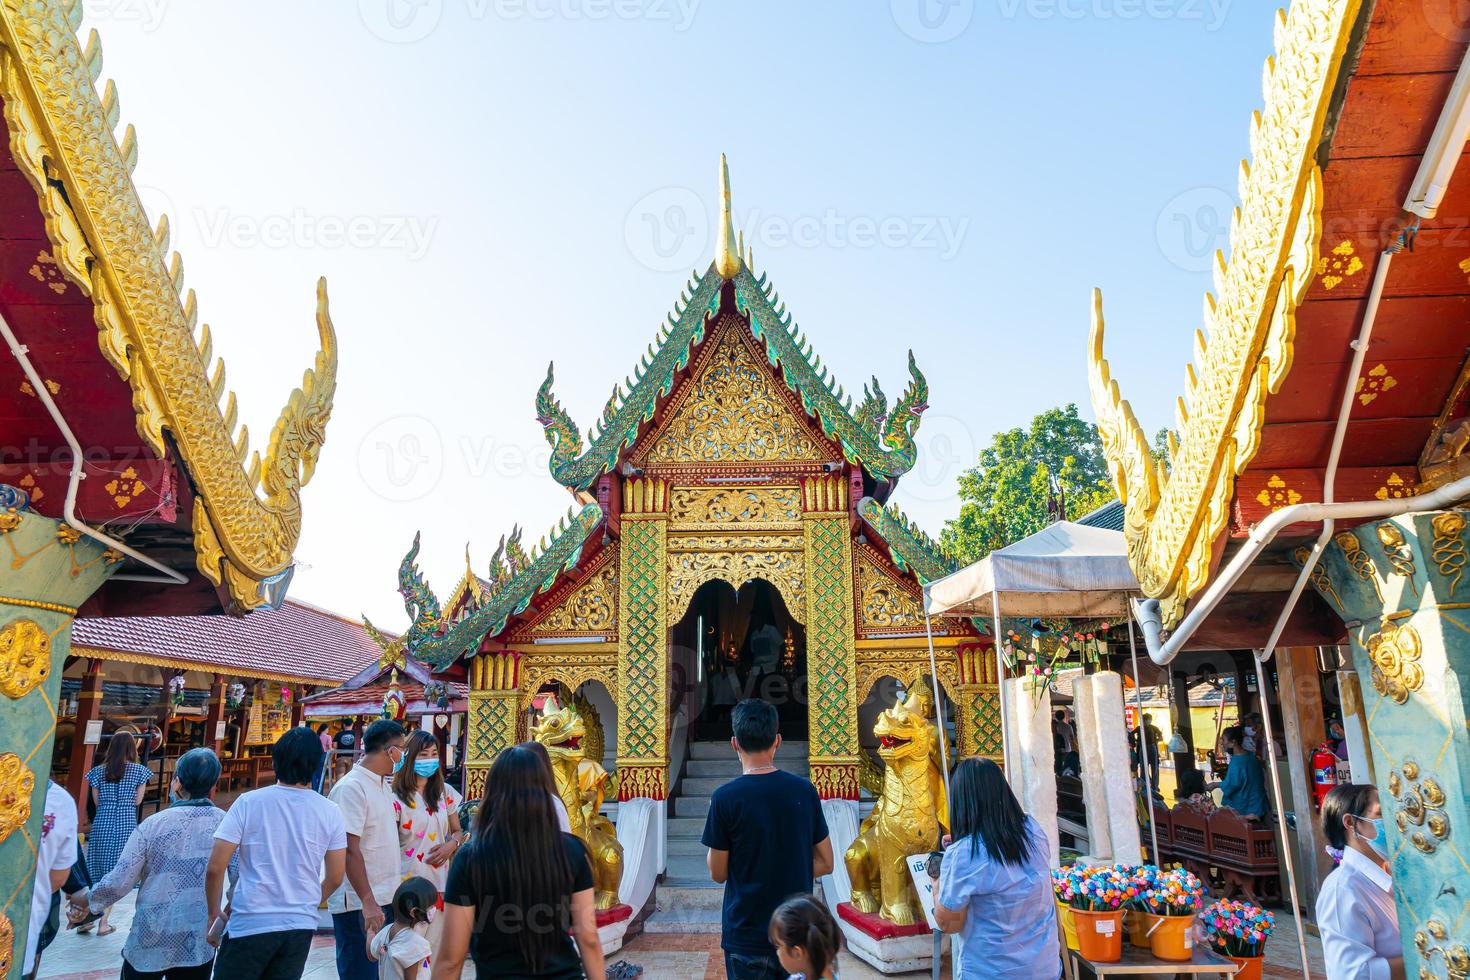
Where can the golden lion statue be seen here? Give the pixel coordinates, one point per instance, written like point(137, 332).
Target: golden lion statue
point(908, 817)
point(581, 784)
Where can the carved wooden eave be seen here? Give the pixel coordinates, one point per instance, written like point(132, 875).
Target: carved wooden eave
point(1175, 515)
point(247, 514)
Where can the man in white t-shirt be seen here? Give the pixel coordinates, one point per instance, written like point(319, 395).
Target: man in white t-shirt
point(54, 858)
point(285, 834)
point(365, 797)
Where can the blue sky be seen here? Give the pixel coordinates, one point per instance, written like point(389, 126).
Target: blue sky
point(493, 184)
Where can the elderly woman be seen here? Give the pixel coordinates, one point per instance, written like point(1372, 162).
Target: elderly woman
point(167, 855)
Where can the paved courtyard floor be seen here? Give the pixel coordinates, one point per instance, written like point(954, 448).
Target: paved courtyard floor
point(663, 957)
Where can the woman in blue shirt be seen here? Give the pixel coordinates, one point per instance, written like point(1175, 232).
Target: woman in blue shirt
point(995, 883)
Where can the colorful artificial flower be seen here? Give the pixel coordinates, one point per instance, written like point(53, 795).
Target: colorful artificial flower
point(1237, 928)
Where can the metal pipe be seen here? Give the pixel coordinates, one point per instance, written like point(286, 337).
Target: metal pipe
point(1148, 612)
point(938, 707)
point(1000, 680)
point(69, 510)
point(1296, 910)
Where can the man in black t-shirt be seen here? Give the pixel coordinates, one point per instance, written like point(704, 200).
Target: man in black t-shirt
point(767, 841)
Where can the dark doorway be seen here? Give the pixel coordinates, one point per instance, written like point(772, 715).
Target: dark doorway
point(747, 644)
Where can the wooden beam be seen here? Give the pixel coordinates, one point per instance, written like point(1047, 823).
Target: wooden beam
point(1300, 694)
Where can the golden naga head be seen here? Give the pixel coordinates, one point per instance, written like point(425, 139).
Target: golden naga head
point(904, 730)
point(561, 732)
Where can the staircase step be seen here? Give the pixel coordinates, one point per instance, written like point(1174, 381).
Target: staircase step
point(722, 750)
point(702, 785)
point(690, 893)
point(686, 845)
point(684, 921)
point(686, 866)
point(729, 769)
point(685, 828)
point(692, 806)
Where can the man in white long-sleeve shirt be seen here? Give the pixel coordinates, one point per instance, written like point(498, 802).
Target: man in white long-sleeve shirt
point(1355, 909)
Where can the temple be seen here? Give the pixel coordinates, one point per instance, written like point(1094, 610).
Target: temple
point(1330, 381)
point(730, 536)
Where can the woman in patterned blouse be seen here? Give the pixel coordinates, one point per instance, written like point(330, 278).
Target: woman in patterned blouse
point(167, 854)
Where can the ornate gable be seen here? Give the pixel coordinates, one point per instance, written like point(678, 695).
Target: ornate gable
point(887, 600)
point(733, 409)
point(589, 608)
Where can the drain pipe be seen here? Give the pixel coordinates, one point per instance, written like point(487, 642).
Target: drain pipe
point(69, 511)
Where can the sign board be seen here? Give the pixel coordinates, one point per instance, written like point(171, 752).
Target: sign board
point(219, 730)
point(94, 732)
point(924, 885)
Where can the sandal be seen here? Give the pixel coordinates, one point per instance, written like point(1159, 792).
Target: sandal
point(106, 930)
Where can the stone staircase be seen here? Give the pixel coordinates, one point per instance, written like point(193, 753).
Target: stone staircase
point(686, 900)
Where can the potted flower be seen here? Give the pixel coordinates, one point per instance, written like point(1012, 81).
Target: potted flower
point(1062, 889)
point(176, 690)
point(1171, 899)
point(1099, 896)
point(1239, 930)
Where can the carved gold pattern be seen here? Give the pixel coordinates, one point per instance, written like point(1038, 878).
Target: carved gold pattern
point(1339, 264)
point(1358, 560)
point(247, 517)
point(1444, 458)
point(7, 944)
point(1419, 805)
point(17, 783)
point(591, 608)
point(25, 657)
point(1173, 515)
point(907, 667)
point(1373, 383)
point(1321, 580)
point(733, 413)
point(573, 672)
point(883, 602)
point(1398, 553)
point(688, 570)
point(1276, 494)
point(1395, 652)
point(734, 508)
point(1448, 552)
point(1431, 941)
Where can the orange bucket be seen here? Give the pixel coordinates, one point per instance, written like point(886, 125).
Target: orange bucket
point(1250, 967)
point(1169, 937)
point(1099, 935)
point(1136, 922)
point(1069, 925)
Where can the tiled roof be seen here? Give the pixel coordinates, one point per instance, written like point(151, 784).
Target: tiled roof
point(1109, 515)
point(297, 641)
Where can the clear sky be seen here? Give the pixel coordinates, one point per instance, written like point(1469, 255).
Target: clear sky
point(493, 184)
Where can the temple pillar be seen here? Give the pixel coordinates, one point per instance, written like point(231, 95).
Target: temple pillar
point(1031, 756)
point(1107, 777)
point(1402, 588)
point(977, 713)
point(214, 715)
point(297, 708)
point(1355, 726)
point(89, 709)
point(1182, 720)
point(831, 652)
point(643, 643)
point(494, 695)
point(50, 570)
point(1304, 730)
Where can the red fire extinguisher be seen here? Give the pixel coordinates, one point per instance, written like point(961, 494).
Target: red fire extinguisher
point(1324, 772)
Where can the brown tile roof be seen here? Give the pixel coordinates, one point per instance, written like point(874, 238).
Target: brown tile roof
point(296, 642)
point(368, 699)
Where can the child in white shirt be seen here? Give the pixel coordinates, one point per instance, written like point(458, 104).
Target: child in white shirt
point(400, 946)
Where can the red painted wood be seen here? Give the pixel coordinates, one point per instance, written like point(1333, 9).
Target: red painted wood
point(1386, 389)
point(1407, 327)
point(1370, 442)
point(1407, 36)
point(1259, 492)
point(1390, 115)
point(129, 490)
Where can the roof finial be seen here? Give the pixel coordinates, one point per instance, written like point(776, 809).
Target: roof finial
point(727, 253)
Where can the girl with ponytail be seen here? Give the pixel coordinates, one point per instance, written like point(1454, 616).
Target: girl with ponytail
point(806, 939)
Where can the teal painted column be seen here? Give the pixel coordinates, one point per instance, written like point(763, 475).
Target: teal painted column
point(47, 569)
point(1403, 588)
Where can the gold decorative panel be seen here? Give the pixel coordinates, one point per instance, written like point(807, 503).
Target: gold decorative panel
point(708, 560)
point(883, 602)
point(17, 783)
point(25, 657)
point(1395, 653)
point(734, 413)
point(730, 508)
point(590, 608)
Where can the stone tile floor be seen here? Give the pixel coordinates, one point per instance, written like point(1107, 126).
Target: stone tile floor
point(663, 957)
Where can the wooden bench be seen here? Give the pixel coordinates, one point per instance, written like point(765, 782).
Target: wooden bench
point(1245, 853)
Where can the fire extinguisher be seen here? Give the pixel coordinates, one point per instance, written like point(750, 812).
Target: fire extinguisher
point(1324, 772)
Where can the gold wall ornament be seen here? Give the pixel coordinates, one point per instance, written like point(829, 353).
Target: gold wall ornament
point(1419, 807)
point(1173, 516)
point(1396, 550)
point(1448, 549)
point(783, 569)
point(1431, 940)
point(571, 670)
point(1321, 580)
point(62, 141)
point(17, 783)
point(883, 602)
point(25, 657)
point(1395, 652)
point(7, 944)
point(1358, 560)
point(733, 413)
point(733, 508)
point(590, 608)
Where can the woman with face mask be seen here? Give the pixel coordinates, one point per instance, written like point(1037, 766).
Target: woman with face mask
point(428, 820)
point(1355, 910)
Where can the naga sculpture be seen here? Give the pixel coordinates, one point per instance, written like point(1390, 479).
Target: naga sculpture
point(907, 819)
point(581, 783)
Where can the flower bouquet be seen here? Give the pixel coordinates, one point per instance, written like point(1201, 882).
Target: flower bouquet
point(176, 690)
point(1061, 886)
point(1239, 930)
point(1098, 897)
point(1171, 899)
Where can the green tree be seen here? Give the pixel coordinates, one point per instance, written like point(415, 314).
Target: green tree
point(1008, 494)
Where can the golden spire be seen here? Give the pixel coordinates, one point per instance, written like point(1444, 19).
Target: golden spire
point(727, 253)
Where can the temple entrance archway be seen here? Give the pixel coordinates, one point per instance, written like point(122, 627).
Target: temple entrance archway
point(731, 644)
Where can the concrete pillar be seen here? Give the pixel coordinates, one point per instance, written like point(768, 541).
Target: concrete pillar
point(1031, 757)
point(89, 709)
point(1355, 726)
point(1304, 729)
point(1401, 586)
point(1107, 777)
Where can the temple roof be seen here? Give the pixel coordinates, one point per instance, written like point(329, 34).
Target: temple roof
point(869, 435)
point(1322, 203)
point(93, 294)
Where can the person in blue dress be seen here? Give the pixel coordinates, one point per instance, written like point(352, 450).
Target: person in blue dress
point(994, 887)
point(117, 792)
point(1244, 787)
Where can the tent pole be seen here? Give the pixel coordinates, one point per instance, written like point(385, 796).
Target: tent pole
point(1286, 848)
point(1148, 787)
point(1000, 681)
point(938, 706)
